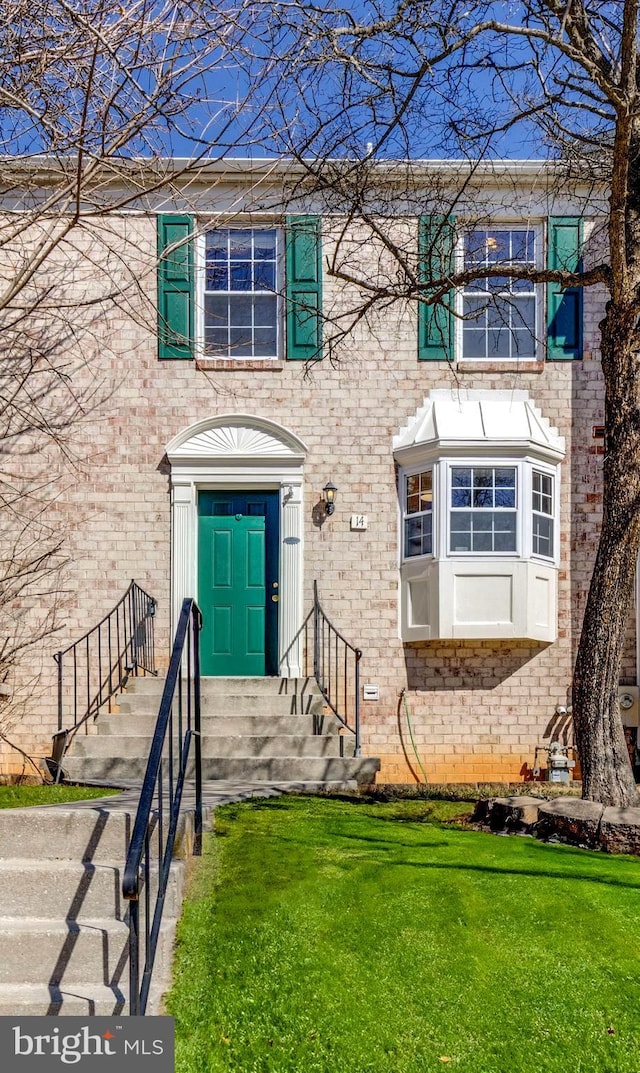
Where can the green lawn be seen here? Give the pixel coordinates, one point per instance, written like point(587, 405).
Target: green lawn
point(22, 796)
point(323, 936)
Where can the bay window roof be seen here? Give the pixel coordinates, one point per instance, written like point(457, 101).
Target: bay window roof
point(457, 421)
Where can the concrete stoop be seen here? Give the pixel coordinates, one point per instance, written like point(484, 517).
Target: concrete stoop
point(63, 921)
point(266, 730)
point(565, 819)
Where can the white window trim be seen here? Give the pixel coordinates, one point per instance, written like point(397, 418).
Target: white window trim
point(200, 280)
point(410, 471)
point(502, 225)
point(441, 523)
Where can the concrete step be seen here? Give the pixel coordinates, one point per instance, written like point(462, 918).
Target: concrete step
point(80, 999)
point(255, 769)
point(56, 952)
point(87, 834)
point(76, 999)
point(73, 890)
point(222, 723)
point(231, 686)
point(220, 746)
point(230, 704)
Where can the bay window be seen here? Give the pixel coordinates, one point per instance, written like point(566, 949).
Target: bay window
point(478, 480)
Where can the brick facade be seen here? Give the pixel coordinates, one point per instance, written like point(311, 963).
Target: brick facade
point(478, 708)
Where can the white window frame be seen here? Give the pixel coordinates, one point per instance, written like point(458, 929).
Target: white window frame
point(484, 463)
point(441, 514)
point(200, 281)
point(412, 471)
point(501, 225)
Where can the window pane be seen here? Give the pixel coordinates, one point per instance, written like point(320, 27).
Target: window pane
point(524, 344)
point(542, 536)
point(498, 343)
point(461, 531)
point(241, 310)
point(216, 311)
point(483, 478)
point(474, 247)
point(264, 245)
point(505, 497)
point(499, 313)
point(240, 243)
point(523, 245)
point(265, 310)
point(461, 477)
point(483, 542)
point(483, 498)
point(498, 246)
point(216, 245)
point(265, 343)
point(264, 276)
point(505, 477)
point(504, 542)
point(240, 276)
point(217, 278)
point(460, 497)
point(474, 343)
point(240, 343)
point(418, 539)
point(474, 309)
point(216, 341)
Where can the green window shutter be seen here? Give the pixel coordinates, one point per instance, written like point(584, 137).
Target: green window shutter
point(304, 287)
point(176, 293)
point(436, 246)
point(564, 307)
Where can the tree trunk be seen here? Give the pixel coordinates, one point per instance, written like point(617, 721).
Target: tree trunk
point(606, 772)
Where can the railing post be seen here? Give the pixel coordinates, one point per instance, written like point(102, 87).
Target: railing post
point(134, 957)
point(58, 659)
point(358, 655)
point(316, 638)
point(197, 626)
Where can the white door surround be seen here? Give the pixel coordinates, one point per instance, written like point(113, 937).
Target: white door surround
point(240, 451)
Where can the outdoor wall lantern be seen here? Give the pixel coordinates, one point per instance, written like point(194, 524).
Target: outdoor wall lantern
point(329, 497)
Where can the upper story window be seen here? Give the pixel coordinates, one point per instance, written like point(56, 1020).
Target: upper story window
point(500, 315)
point(241, 281)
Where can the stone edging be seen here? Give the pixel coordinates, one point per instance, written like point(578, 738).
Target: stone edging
point(567, 819)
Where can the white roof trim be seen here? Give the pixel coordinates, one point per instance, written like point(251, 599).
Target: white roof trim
point(458, 420)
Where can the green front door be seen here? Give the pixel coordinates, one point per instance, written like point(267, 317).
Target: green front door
point(237, 580)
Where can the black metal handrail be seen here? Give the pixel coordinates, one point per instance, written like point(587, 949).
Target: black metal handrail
point(177, 724)
point(336, 668)
point(98, 665)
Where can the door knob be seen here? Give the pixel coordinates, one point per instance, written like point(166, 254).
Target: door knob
point(275, 599)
